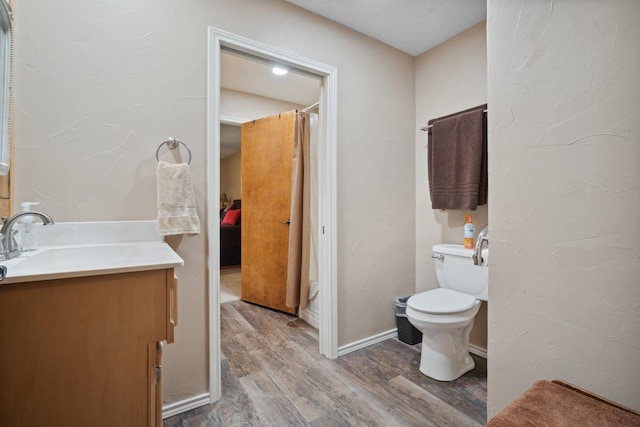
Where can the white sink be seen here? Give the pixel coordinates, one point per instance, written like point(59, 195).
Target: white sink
point(57, 262)
point(77, 257)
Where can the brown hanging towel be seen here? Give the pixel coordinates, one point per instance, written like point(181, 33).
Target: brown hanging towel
point(457, 160)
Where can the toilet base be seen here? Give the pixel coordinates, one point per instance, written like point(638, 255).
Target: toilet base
point(445, 354)
point(445, 342)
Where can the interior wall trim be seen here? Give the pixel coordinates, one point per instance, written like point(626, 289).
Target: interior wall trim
point(233, 120)
point(310, 315)
point(478, 351)
point(366, 342)
point(185, 405)
point(393, 333)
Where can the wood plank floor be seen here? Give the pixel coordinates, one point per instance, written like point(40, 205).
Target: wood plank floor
point(272, 375)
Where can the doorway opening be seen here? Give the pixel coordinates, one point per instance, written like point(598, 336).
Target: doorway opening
point(258, 133)
point(326, 196)
point(230, 199)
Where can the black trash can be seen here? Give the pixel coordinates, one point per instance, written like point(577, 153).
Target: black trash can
point(407, 333)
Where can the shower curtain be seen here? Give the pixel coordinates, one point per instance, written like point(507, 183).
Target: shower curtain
point(302, 271)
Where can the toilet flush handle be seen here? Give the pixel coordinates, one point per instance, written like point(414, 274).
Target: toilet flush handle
point(439, 257)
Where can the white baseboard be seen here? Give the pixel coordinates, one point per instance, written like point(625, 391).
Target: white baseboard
point(392, 333)
point(478, 351)
point(311, 315)
point(194, 402)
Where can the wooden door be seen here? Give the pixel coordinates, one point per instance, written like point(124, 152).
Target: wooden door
point(267, 151)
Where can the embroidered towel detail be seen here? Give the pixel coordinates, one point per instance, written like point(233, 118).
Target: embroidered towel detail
point(176, 200)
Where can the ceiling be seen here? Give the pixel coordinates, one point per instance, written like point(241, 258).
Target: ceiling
point(251, 75)
point(412, 26)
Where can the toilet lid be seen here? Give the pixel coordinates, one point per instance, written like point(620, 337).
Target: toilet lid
point(441, 301)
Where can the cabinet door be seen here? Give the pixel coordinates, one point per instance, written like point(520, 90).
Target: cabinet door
point(75, 351)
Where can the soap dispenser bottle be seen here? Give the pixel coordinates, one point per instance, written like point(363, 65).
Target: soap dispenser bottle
point(26, 232)
point(468, 231)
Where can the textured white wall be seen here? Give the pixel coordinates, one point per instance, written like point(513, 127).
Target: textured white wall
point(231, 176)
point(449, 78)
point(99, 84)
point(246, 106)
point(564, 174)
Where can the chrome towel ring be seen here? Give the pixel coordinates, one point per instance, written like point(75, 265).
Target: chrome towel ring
point(172, 143)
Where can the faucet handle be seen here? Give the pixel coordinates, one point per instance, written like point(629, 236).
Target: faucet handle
point(477, 251)
point(477, 258)
point(14, 241)
point(3, 251)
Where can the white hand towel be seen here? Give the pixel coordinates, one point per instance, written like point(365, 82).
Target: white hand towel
point(176, 200)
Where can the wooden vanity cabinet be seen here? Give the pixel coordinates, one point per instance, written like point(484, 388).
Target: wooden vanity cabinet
point(85, 351)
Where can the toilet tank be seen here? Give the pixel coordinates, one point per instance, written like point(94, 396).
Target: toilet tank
point(455, 270)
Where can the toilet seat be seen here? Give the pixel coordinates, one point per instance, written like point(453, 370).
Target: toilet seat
point(441, 301)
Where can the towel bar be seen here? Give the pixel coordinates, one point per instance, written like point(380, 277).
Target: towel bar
point(426, 128)
point(172, 143)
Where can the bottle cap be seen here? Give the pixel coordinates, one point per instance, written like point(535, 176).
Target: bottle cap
point(26, 206)
point(467, 219)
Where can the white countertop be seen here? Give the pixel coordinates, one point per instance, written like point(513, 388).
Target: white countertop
point(88, 249)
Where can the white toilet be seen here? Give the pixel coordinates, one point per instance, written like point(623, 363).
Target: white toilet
point(445, 315)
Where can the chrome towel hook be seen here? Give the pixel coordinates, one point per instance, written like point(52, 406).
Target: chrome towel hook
point(173, 143)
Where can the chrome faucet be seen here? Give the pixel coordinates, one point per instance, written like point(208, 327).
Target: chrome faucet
point(483, 236)
point(8, 245)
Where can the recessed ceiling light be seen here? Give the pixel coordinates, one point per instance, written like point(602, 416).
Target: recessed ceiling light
point(278, 71)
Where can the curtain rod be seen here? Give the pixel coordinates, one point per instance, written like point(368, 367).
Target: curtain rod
point(426, 128)
point(311, 107)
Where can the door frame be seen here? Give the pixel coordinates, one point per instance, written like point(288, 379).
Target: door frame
point(327, 191)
